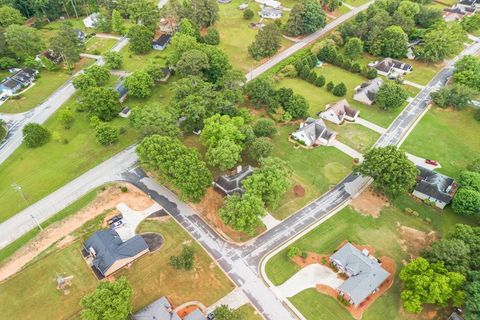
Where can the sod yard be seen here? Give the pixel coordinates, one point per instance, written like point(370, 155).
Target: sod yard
point(249, 312)
point(134, 62)
point(97, 46)
point(448, 136)
point(354, 135)
point(42, 170)
point(381, 233)
point(151, 277)
point(316, 170)
point(318, 98)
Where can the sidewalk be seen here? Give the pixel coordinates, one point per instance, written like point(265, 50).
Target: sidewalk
point(370, 125)
point(347, 150)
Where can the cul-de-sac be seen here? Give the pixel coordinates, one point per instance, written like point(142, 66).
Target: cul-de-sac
point(240, 159)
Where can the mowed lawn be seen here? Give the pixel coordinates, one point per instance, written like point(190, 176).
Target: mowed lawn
point(96, 45)
point(354, 135)
point(151, 277)
point(134, 62)
point(236, 35)
point(318, 98)
point(249, 312)
point(316, 170)
point(42, 170)
point(450, 137)
point(380, 233)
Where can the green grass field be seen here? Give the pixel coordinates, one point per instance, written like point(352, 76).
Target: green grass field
point(316, 170)
point(381, 233)
point(3, 132)
point(42, 170)
point(356, 136)
point(422, 72)
point(450, 137)
point(133, 62)
point(320, 97)
point(250, 313)
point(151, 277)
point(356, 3)
point(96, 45)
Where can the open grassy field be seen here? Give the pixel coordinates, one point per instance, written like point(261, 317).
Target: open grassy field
point(422, 72)
point(356, 136)
point(316, 170)
point(236, 35)
point(97, 46)
point(42, 170)
point(450, 137)
point(133, 62)
point(381, 233)
point(151, 277)
point(320, 97)
point(49, 30)
point(250, 313)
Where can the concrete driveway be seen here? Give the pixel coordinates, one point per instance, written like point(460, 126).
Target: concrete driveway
point(306, 278)
point(418, 161)
point(132, 219)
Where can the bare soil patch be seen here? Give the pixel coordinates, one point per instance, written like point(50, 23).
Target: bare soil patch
point(299, 191)
point(370, 203)
point(59, 231)
point(413, 240)
point(208, 208)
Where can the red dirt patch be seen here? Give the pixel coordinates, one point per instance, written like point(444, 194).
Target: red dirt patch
point(299, 191)
point(187, 310)
point(369, 203)
point(413, 240)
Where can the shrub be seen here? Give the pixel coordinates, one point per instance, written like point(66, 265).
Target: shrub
point(476, 116)
point(293, 252)
point(320, 81)
point(428, 220)
point(323, 260)
point(330, 86)
point(212, 37)
point(343, 300)
point(248, 14)
point(339, 90)
point(356, 68)
point(312, 77)
point(34, 135)
point(66, 118)
point(371, 73)
point(184, 261)
point(124, 189)
point(106, 134)
point(287, 117)
point(289, 71)
point(260, 148)
point(304, 254)
point(264, 128)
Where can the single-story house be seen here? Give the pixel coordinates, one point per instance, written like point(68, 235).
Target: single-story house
point(108, 253)
point(91, 20)
point(122, 91)
point(125, 112)
point(232, 184)
point(270, 13)
point(195, 315)
point(455, 316)
point(314, 132)
point(365, 273)
point(25, 76)
point(49, 55)
point(468, 5)
point(9, 86)
point(365, 93)
point(167, 72)
point(270, 3)
point(160, 309)
point(339, 112)
point(80, 35)
point(435, 187)
point(162, 42)
point(391, 67)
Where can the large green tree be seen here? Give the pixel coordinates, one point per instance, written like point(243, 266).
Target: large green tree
point(9, 16)
point(110, 300)
point(296, 106)
point(441, 41)
point(100, 102)
point(390, 168)
point(390, 96)
point(305, 17)
point(35, 135)
point(113, 59)
point(266, 43)
point(84, 81)
point(224, 312)
point(192, 63)
point(260, 91)
point(394, 42)
point(154, 119)
point(99, 73)
point(453, 96)
point(66, 44)
point(203, 12)
point(106, 134)
point(353, 48)
point(118, 24)
point(242, 213)
point(182, 166)
point(467, 72)
point(140, 39)
point(144, 12)
point(466, 202)
point(23, 41)
point(139, 84)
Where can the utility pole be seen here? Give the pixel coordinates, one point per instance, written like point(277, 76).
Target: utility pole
point(36, 221)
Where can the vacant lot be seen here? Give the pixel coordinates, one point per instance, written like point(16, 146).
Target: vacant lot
point(320, 97)
point(97, 46)
point(134, 62)
point(450, 137)
point(42, 170)
point(150, 277)
point(356, 136)
point(316, 170)
point(381, 233)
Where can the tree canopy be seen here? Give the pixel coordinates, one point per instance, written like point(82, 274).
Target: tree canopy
point(305, 17)
point(390, 96)
point(34, 135)
point(100, 102)
point(266, 43)
point(139, 84)
point(154, 119)
point(242, 213)
point(23, 41)
point(140, 39)
point(66, 44)
point(9, 16)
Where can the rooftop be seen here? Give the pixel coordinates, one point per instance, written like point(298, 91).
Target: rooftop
point(435, 185)
point(343, 107)
point(160, 309)
point(162, 40)
point(231, 184)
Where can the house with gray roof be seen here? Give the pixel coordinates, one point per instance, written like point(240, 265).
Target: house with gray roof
point(270, 13)
point(391, 67)
point(314, 132)
point(366, 92)
point(339, 112)
point(434, 187)
point(91, 21)
point(232, 184)
point(160, 309)
point(365, 273)
point(107, 253)
point(195, 315)
point(9, 86)
point(122, 91)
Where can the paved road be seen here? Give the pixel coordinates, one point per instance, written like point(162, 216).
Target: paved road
point(41, 113)
point(305, 41)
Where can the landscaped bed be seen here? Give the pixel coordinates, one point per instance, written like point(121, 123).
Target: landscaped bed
point(447, 136)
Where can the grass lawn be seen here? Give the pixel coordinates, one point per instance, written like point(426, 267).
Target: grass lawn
point(49, 30)
point(320, 97)
point(151, 277)
point(450, 137)
point(356, 3)
point(381, 233)
point(42, 170)
point(326, 167)
point(96, 45)
point(356, 136)
point(236, 35)
point(133, 62)
point(3, 132)
point(249, 312)
point(422, 72)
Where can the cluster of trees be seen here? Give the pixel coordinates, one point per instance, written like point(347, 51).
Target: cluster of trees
point(447, 272)
point(185, 260)
point(183, 167)
point(390, 96)
point(305, 17)
point(203, 13)
point(266, 43)
point(390, 169)
point(35, 135)
point(263, 188)
point(467, 198)
point(387, 25)
point(261, 93)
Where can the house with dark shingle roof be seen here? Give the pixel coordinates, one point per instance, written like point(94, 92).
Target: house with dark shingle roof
point(161, 42)
point(366, 92)
point(107, 253)
point(122, 91)
point(391, 67)
point(25, 76)
point(160, 309)
point(435, 187)
point(9, 86)
point(232, 184)
point(314, 132)
point(365, 273)
point(339, 112)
